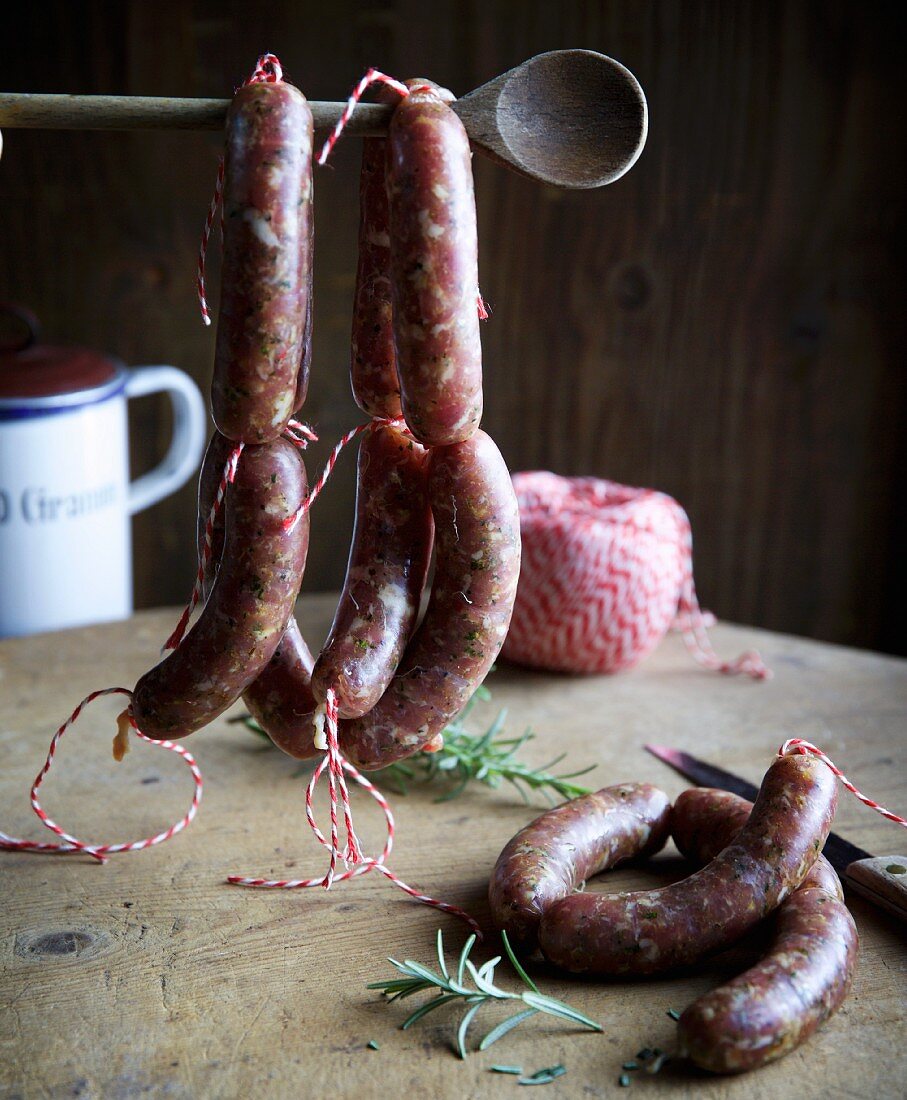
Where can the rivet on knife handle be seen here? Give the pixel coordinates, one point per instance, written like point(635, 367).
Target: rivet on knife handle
point(882, 880)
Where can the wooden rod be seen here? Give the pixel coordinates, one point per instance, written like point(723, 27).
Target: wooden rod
point(39, 111)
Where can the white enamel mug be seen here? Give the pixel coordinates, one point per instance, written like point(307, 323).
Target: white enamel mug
point(65, 494)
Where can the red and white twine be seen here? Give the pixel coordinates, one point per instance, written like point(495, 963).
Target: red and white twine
point(100, 852)
point(268, 70)
point(205, 550)
point(797, 746)
point(356, 864)
point(373, 76)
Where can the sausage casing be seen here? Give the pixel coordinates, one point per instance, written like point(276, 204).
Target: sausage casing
point(805, 974)
point(248, 606)
point(266, 279)
point(552, 855)
point(373, 362)
point(477, 538)
point(388, 563)
point(280, 697)
point(434, 269)
point(654, 930)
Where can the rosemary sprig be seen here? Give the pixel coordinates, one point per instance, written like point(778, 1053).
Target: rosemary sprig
point(484, 758)
point(455, 987)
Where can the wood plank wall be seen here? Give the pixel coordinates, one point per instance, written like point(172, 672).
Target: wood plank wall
point(725, 323)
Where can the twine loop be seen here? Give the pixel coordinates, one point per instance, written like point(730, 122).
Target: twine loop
point(338, 767)
point(100, 852)
point(797, 746)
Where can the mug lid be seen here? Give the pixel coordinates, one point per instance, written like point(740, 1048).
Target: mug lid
point(29, 369)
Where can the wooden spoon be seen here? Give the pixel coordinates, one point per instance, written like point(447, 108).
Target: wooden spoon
point(571, 118)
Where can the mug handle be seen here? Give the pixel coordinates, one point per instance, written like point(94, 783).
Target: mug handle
point(188, 439)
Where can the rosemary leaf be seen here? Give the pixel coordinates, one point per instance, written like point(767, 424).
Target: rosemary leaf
point(507, 1025)
point(462, 1029)
point(442, 965)
point(429, 1006)
point(515, 963)
point(464, 955)
point(557, 1008)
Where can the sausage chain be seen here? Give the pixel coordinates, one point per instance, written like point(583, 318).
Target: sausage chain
point(650, 931)
point(415, 334)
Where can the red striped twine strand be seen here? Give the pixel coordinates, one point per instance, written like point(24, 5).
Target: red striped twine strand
point(205, 556)
point(373, 76)
point(100, 852)
point(334, 763)
point(290, 522)
point(797, 746)
point(268, 70)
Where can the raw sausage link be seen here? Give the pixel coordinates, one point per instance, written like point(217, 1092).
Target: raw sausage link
point(803, 978)
point(249, 604)
point(373, 364)
point(265, 285)
point(388, 563)
point(654, 930)
point(434, 269)
point(477, 536)
point(552, 855)
point(280, 698)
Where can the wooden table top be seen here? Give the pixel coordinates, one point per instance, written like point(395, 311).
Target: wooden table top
point(150, 976)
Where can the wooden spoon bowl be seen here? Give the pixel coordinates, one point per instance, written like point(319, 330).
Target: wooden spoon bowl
point(571, 118)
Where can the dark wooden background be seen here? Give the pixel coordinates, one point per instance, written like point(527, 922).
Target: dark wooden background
point(726, 323)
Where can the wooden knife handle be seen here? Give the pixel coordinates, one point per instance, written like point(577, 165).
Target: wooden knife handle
point(882, 880)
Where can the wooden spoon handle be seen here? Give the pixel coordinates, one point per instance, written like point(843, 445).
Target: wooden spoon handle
point(131, 112)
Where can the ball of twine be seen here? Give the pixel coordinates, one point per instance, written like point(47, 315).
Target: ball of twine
point(607, 570)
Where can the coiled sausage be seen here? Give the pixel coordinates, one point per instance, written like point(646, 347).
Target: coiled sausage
point(654, 930)
point(805, 974)
point(552, 855)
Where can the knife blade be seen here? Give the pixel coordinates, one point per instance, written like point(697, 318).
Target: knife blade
point(880, 879)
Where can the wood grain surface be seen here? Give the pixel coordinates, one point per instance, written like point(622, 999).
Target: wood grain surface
point(151, 976)
point(725, 323)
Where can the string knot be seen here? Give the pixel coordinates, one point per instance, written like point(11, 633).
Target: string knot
point(797, 746)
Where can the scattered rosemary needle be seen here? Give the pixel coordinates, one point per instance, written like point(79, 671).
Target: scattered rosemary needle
point(466, 757)
point(516, 1071)
point(453, 986)
point(544, 1076)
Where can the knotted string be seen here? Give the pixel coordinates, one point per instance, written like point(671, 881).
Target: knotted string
point(268, 70)
point(100, 852)
point(795, 746)
point(335, 764)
